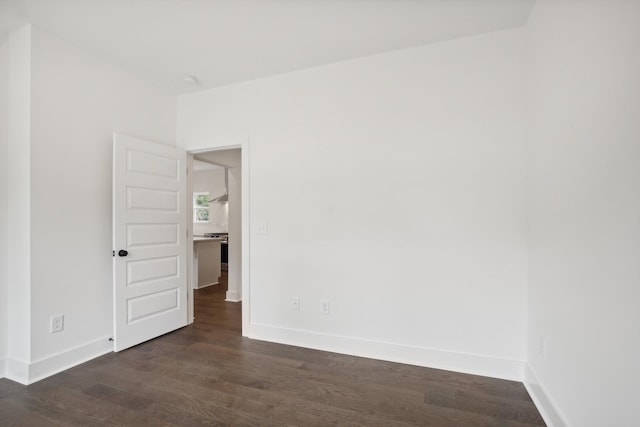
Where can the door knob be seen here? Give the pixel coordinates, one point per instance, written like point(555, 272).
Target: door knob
point(122, 252)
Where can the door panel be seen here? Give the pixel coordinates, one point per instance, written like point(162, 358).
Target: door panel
point(148, 199)
point(145, 235)
point(151, 270)
point(150, 224)
point(153, 164)
point(151, 305)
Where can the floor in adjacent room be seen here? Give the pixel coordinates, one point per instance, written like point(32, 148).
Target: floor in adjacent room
point(208, 374)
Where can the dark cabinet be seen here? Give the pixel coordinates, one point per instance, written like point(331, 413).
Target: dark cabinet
point(224, 253)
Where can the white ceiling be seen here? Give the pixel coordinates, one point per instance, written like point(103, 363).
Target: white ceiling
point(204, 166)
point(228, 41)
point(228, 158)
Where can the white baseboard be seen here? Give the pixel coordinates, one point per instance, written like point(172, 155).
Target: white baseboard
point(3, 368)
point(548, 409)
point(28, 373)
point(420, 356)
point(234, 296)
point(207, 285)
point(16, 370)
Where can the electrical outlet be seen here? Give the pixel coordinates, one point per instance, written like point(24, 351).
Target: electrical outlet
point(324, 308)
point(57, 324)
point(261, 228)
point(295, 303)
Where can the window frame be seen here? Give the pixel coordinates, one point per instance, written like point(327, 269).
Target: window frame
point(197, 207)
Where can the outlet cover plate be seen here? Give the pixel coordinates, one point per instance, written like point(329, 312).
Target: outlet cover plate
point(57, 324)
point(324, 307)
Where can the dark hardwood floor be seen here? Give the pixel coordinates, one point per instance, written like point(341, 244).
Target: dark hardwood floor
point(207, 374)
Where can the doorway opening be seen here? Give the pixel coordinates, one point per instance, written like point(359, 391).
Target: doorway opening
point(215, 187)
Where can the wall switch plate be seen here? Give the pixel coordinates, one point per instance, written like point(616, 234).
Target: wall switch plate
point(57, 324)
point(324, 307)
point(295, 303)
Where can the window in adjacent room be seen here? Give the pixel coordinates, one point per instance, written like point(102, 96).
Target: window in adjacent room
point(201, 207)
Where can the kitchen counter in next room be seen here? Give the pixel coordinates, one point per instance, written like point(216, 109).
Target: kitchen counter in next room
point(206, 261)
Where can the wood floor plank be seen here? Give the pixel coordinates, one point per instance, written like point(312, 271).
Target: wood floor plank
point(207, 374)
point(16, 412)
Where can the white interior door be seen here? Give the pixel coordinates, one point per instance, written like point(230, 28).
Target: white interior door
point(149, 240)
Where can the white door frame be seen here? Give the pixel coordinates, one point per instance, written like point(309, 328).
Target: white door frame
point(245, 224)
point(189, 208)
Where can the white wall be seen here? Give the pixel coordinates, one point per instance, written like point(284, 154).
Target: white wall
point(584, 276)
point(77, 102)
point(392, 186)
point(4, 119)
point(212, 181)
point(19, 205)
